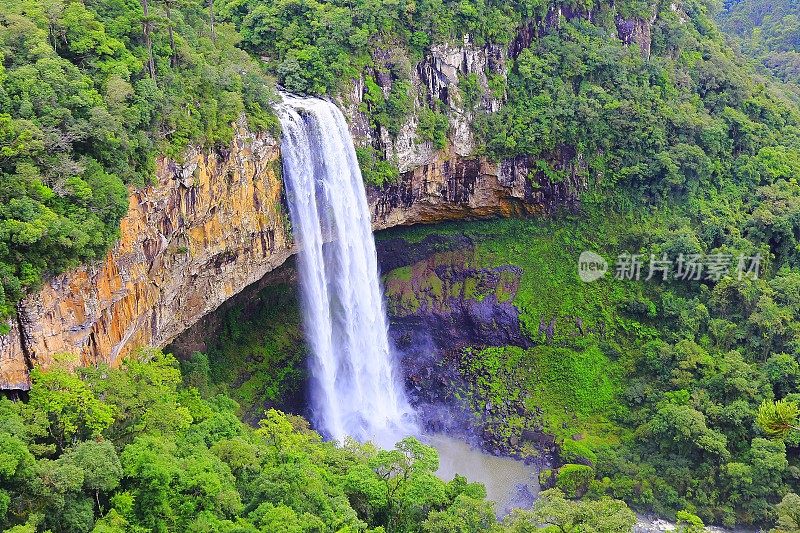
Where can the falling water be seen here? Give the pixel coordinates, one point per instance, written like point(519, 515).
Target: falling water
point(354, 389)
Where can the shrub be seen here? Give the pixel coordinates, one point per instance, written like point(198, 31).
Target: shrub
point(577, 452)
point(574, 479)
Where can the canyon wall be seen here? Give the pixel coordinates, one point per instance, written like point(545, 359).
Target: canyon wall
point(207, 228)
point(215, 223)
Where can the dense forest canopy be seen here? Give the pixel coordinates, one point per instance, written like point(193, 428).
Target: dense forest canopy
point(134, 450)
point(684, 150)
point(768, 32)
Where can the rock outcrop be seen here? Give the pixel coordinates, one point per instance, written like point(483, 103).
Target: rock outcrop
point(439, 300)
point(435, 79)
point(208, 228)
point(215, 223)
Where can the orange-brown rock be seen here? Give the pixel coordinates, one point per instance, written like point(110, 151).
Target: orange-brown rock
point(13, 363)
point(215, 224)
point(209, 227)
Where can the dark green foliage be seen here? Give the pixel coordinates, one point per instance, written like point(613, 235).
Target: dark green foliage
point(316, 46)
point(171, 460)
point(80, 119)
point(670, 126)
point(258, 355)
point(391, 111)
point(768, 33)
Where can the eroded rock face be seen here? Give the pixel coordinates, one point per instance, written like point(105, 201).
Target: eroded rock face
point(636, 31)
point(213, 225)
point(438, 300)
point(208, 228)
point(13, 360)
point(452, 187)
point(216, 224)
point(436, 78)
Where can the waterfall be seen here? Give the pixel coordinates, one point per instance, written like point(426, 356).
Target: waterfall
point(354, 388)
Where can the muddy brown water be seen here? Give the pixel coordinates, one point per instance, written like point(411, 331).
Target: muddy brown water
point(509, 483)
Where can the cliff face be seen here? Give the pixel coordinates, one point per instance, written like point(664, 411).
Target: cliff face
point(205, 230)
point(209, 228)
point(214, 224)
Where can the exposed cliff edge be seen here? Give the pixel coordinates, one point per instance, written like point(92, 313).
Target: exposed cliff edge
point(210, 227)
point(204, 230)
point(215, 223)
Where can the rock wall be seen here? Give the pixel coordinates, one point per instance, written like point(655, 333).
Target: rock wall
point(438, 300)
point(216, 223)
point(434, 79)
point(208, 228)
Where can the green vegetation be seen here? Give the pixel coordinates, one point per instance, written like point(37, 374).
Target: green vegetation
point(391, 111)
point(574, 479)
point(778, 419)
point(557, 513)
point(258, 355)
point(768, 34)
point(134, 449)
point(319, 45)
point(660, 393)
point(375, 169)
point(680, 125)
point(660, 383)
point(90, 93)
point(432, 127)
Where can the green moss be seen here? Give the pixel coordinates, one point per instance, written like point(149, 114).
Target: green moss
point(435, 285)
point(456, 289)
point(573, 451)
point(577, 390)
point(403, 274)
point(574, 479)
point(259, 357)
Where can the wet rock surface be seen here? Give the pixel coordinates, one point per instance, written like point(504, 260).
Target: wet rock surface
point(438, 300)
point(440, 303)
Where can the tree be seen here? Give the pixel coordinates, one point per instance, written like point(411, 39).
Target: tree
point(777, 418)
point(211, 21)
point(689, 523)
point(168, 11)
point(568, 516)
point(66, 408)
point(411, 486)
point(788, 514)
point(102, 470)
point(147, 31)
point(465, 515)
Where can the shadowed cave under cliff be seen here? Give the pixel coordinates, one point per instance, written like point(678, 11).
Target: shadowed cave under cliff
point(439, 304)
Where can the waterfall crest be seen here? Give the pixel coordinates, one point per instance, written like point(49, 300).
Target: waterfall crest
point(354, 389)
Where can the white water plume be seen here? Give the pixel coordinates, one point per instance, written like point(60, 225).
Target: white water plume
point(355, 389)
